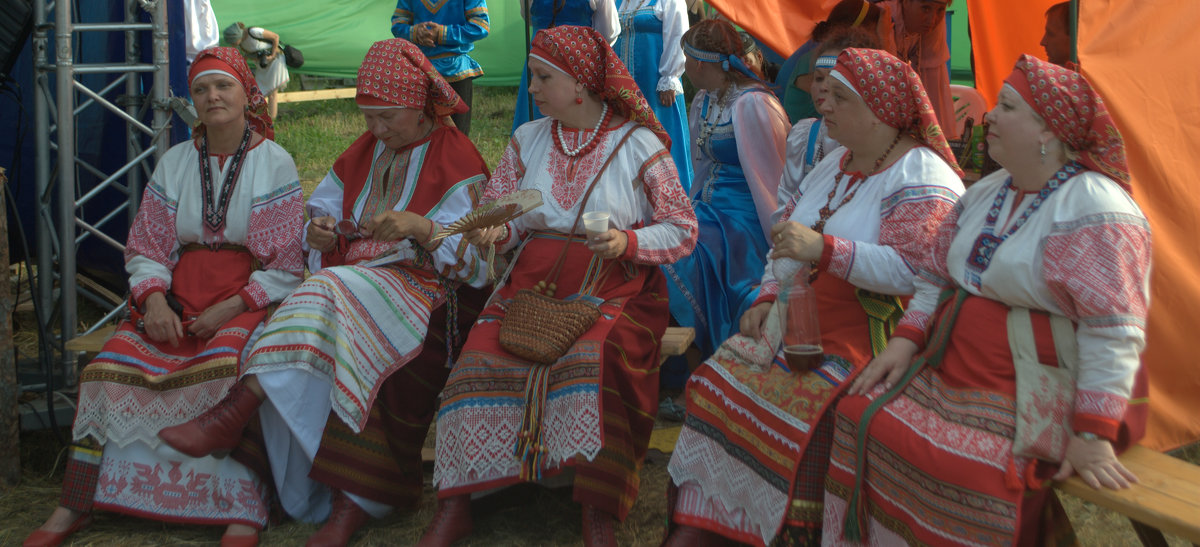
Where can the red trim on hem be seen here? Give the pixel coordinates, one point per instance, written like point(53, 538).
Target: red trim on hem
point(710, 526)
point(177, 520)
point(444, 493)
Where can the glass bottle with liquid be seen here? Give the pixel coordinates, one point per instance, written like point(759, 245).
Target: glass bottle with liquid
point(801, 330)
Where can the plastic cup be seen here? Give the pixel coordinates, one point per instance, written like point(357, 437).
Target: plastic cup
point(595, 223)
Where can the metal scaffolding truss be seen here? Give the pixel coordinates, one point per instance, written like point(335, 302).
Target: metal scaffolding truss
point(60, 96)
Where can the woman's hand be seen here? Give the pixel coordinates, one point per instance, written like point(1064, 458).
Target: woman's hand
point(160, 322)
point(320, 234)
point(667, 98)
point(610, 244)
point(796, 241)
point(212, 319)
point(482, 237)
point(1096, 464)
point(754, 319)
point(886, 368)
point(397, 225)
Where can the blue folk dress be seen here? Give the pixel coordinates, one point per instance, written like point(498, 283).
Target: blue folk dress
point(738, 152)
point(640, 47)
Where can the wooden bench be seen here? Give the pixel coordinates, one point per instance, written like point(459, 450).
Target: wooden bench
point(1165, 499)
point(676, 341)
point(93, 342)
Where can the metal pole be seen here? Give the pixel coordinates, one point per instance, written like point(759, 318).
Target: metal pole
point(132, 90)
point(1073, 29)
point(43, 230)
point(65, 98)
point(162, 90)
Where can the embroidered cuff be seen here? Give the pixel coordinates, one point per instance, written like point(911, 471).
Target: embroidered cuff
point(508, 234)
point(631, 246)
point(429, 244)
point(911, 333)
point(767, 293)
point(146, 288)
point(841, 258)
point(254, 296)
point(826, 252)
point(1107, 428)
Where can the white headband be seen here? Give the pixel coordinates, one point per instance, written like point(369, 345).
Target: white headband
point(548, 62)
point(215, 71)
point(841, 78)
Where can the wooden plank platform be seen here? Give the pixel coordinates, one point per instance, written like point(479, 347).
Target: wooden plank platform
point(316, 95)
point(1166, 497)
point(91, 343)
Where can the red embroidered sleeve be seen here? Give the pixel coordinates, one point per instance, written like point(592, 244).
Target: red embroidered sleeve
point(672, 232)
point(153, 236)
point(932, 277)
point(507, 175)
point(1096, 268)
point(273, 237)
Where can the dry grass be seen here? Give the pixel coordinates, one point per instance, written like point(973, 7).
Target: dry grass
point(519, 516)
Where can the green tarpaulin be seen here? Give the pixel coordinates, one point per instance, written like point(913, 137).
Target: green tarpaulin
point(335, 34)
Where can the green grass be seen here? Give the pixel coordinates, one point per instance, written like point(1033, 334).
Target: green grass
point(316, 132)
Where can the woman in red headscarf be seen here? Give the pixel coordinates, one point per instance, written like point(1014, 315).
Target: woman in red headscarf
point(216, 240)
point(365, 313)
point(1045, 261)
point(596, 407)
point(751, 458)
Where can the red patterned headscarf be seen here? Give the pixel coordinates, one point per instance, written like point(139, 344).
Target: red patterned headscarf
point(396, 73)
point(230, 61)
point(893, 91)
point(1075, 114)
point(585, 55)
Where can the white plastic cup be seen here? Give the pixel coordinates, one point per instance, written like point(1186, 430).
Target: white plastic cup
point(595, 223)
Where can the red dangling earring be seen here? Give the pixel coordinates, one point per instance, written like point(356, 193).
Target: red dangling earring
point(578, 100)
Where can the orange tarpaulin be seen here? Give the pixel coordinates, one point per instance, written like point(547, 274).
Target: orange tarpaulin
point(1136, 56)
point(782, 25)
point(1000, 33)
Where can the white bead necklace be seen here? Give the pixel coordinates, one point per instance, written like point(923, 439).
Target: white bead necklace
point(572, 152)
point(707, 127)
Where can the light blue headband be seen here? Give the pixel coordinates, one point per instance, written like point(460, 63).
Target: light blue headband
point(826, 61)
point(727, 61)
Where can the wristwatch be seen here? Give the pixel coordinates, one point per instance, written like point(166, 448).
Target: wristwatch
point(1088, 436)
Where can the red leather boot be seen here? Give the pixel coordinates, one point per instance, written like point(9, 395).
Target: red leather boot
point(218, 429)
point(43, 538)
point(345, 519)
point(451, 523)
point(598, 528)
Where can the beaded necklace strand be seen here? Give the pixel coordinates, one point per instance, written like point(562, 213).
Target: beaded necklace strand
point(592, 140)
point(214, 213)
point(707, 128)
point(851, 187)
